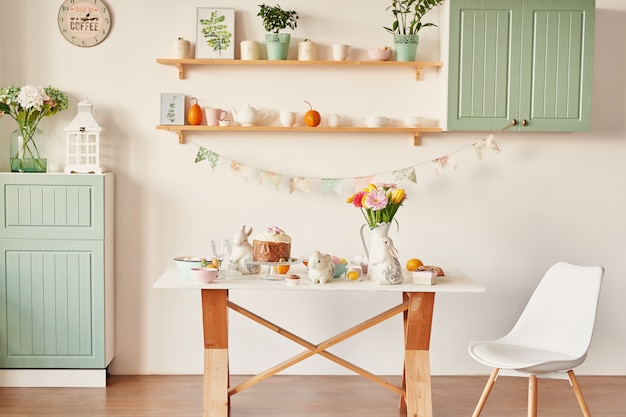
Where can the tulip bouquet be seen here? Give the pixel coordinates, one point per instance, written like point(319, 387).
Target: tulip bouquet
point(378, 202)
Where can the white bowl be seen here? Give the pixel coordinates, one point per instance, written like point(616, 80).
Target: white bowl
point(185, 263)
point(292, 279)
point(204, 275)
point(379, 54)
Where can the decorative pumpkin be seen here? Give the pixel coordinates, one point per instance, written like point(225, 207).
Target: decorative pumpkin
point(312, 117)
point(195, 114)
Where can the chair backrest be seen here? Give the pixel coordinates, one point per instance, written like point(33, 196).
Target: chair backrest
point(561, 312)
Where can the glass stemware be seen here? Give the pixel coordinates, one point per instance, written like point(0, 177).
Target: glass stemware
point(220, 247)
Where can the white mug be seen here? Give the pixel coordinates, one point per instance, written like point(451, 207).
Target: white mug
point(333, 120)
point(341, 51)
point(288, 118)
point(377, 121)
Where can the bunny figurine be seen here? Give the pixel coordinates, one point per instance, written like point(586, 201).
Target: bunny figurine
point(321, 268)
point(386, 266)
point(241, 255)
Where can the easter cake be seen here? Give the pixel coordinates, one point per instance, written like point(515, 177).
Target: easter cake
point(271, 245)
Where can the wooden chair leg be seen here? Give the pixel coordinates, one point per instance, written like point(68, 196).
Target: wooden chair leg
point(485, 394)
point(579, 394)
point(532, 396)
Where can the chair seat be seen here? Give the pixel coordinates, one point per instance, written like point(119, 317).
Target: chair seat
point(522, 358)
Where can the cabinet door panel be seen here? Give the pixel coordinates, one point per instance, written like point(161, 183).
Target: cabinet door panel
point(53, 315)
point(484, 64)
point(52, 206)
point(557, 60)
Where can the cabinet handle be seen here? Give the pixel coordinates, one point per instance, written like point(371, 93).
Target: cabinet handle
point(514, 122)
point(524, 122)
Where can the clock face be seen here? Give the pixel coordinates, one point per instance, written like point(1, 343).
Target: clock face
point(84, 22)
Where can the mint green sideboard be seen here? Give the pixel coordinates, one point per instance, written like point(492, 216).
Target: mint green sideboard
point(56, 271)
point(528, 60)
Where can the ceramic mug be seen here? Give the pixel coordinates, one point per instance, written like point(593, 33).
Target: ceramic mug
point(341, 51)
point(288, 118)
point(333, 120)
point(213, 116)
point(377, 121)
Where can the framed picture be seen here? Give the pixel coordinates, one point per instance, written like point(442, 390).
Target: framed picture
point(172, 109)
point(216, 33)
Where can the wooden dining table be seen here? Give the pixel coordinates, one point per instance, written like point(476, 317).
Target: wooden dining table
point(415, 303)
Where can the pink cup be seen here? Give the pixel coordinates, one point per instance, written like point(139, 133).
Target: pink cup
point(213, 116)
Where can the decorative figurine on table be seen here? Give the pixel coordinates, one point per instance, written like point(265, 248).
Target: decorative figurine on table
point(386, 264)
point(321, 267)
point(241, 256)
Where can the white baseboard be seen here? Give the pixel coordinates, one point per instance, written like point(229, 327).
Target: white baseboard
point(66, 378)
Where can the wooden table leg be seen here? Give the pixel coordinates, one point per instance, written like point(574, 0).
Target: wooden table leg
point(416, 354)
point(215, 398)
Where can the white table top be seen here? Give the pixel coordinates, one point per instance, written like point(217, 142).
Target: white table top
point(453, 281)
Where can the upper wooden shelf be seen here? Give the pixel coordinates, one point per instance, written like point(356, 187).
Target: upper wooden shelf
point(416, 131)
point(181, 63)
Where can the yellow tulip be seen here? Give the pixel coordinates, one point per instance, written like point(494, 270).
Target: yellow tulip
point(371, 187)
point(397, 196)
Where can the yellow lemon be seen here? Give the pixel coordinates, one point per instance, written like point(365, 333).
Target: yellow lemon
point(352, 275)
point(413, 264)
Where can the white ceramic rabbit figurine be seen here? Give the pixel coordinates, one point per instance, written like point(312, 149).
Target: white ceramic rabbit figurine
point(387, 267)
point(241, 255)
point(321, 268)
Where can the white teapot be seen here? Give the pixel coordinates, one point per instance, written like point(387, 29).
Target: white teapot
point(248, 116)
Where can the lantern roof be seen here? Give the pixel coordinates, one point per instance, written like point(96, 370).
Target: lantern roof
point(84, 120)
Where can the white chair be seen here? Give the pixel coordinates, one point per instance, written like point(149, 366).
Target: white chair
point(552, 335)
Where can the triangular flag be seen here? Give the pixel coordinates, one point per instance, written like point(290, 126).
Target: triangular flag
point(443, 162)
point(332, 184)
point(361, 182)
point(406, 174)
point(210, 156)
point(299, 183)
point(489, 142)
point(241, 169)
point(271, 178)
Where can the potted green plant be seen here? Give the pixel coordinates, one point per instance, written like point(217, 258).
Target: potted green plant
point(408, 16)
point(274, 19)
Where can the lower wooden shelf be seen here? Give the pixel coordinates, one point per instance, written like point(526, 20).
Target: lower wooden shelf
point(416, 131)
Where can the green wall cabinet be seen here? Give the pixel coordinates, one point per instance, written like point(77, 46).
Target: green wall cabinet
point(529, 60)
point(56, 266)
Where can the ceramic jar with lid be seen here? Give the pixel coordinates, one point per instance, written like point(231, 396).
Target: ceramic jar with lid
point(307, 50)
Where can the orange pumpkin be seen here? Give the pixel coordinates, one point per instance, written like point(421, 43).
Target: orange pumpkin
point(195, 114)
point(312, 118)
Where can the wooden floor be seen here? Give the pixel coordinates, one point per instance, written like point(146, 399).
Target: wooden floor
point(311, 396)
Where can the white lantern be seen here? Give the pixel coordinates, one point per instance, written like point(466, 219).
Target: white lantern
point(83, 142)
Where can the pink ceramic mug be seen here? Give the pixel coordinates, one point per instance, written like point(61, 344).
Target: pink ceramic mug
point(213, 116)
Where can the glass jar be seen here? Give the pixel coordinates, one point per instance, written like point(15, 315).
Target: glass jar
point(354, 272)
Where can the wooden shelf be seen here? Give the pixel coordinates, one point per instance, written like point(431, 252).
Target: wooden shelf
point(416, 131)
point(181, 63)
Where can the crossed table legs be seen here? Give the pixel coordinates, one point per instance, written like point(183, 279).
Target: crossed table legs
point(415, 392)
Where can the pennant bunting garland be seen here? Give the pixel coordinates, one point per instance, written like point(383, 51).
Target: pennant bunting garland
point(305, 184)
point(406, 174)
point(271, 178)
point(362, 182)
point(332, 184)
point(241, 169)
point(443, 162)
point(210, 156)
point(299, 183)
point(487, 143)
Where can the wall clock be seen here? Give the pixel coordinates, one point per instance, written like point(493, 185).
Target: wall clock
point(84, 23)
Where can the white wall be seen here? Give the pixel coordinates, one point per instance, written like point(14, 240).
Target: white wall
point(503, 220)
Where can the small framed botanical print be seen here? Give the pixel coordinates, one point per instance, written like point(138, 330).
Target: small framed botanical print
point(172, 109)
point(215, 33)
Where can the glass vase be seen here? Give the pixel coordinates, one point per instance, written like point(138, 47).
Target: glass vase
point(28, 151)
